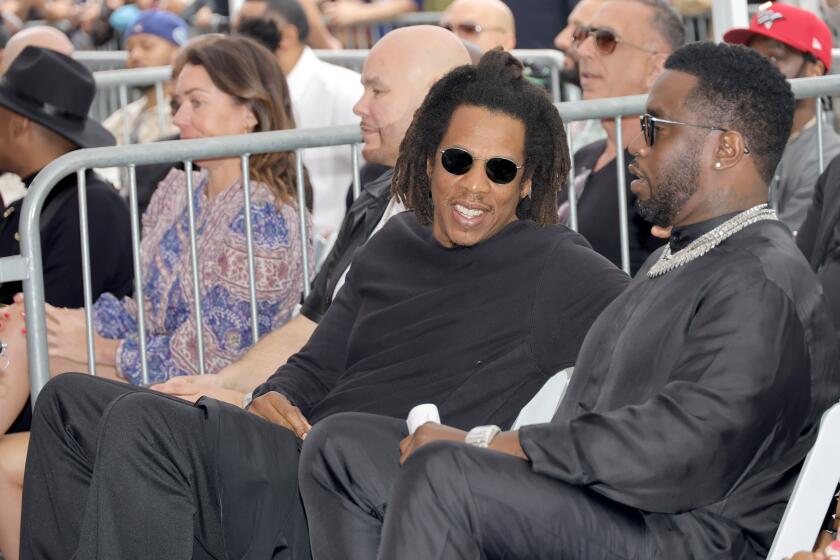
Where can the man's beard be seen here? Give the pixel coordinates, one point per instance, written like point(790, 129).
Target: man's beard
point(677, 182)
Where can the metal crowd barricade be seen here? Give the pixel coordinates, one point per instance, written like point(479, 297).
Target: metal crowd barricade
point(28, 266)
point(618, 107)
point(114, 88)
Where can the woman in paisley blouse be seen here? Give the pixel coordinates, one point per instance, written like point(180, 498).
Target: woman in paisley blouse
point(226, 86)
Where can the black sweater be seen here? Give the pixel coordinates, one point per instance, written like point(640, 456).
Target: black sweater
point(476, 330)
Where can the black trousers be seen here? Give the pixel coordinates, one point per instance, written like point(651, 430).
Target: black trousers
point(449, 501)
point(117, 472)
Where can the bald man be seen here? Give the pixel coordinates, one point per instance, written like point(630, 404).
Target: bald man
point(37, 36)
point(485, 23)
point(161, 486)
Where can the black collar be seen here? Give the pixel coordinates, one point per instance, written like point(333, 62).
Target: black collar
point(683, 235)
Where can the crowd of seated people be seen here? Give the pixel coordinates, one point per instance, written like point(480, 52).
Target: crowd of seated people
point(453, 279)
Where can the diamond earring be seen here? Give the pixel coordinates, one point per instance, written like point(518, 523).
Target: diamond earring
point(717, 165)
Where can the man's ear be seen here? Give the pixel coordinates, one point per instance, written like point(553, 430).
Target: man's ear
point(655, 67)
point(289, 36)
point(20, 125)
point(729, 151)
point(525, 189)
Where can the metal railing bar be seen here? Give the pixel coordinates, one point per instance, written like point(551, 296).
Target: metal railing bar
point(820, 129)
point(622, 197)
point(196, 283)
point(81, 181)
point(572, 195)
point(357, 181)
point(304, 245)
point(249, 244)
point(138, 270)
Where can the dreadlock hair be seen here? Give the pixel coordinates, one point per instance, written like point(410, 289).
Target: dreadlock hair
point(497, 83)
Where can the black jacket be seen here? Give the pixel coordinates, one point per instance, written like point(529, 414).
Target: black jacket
point(819, 237)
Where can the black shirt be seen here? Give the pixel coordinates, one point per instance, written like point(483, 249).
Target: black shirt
point(698, 393)
point(476, 330)
point(598, 209)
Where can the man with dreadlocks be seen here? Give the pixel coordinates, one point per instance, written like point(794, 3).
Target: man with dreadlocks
point(472, 301)
point(695, 398)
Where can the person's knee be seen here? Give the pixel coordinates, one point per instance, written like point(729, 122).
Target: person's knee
point(433, 467)
point(131, 413)
point(328, 437)
point(57, 389)
point(334, 441)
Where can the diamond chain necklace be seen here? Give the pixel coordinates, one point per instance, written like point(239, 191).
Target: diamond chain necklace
point(709, 240)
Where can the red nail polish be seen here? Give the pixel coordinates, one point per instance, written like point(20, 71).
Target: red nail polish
point(6, 314)
point(23, 330)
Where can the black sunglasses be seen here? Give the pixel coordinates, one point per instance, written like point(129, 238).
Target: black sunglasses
point(498, 169)
point(605, 39)
point(648, 123)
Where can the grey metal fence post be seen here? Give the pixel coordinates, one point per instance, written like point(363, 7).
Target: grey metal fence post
point(138, 270)
point(249, 244)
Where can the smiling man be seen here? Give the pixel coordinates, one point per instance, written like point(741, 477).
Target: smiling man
point(695, 397)
point(619, 52)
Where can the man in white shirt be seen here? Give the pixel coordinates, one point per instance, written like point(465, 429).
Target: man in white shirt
point(322, 95)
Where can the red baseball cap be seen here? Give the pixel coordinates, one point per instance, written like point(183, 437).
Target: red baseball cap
point(790, 25)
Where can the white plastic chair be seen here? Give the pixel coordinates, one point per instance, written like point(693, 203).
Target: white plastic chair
point(543, 405)
point(814, 489)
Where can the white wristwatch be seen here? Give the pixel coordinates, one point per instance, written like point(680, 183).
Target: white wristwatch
point(481, 436)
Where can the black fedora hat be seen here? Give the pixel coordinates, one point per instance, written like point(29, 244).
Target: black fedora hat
point(56, 92)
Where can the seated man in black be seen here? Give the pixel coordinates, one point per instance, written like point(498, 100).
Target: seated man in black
point(40, 122)
point(695, 398)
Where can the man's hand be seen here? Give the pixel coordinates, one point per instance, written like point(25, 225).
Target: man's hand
point(67, 333)
point(190, 383)
point(193, 387)
point(427, 433)
point(661, 232)
point(505, 442)
point(277, 409)
point(344, 13)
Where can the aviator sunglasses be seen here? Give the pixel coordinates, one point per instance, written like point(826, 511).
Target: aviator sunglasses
point(458, 161)
point(605, 39)
point(648, 123)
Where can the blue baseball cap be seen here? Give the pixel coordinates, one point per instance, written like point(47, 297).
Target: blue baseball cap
point(165, 25)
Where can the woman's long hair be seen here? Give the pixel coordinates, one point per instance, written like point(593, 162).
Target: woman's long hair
point(248, 72)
